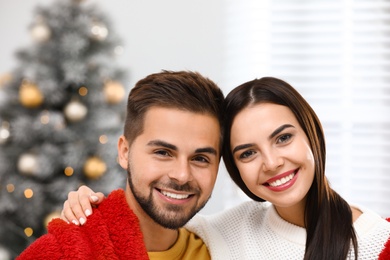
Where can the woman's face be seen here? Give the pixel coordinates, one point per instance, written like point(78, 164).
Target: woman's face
point(273, 154)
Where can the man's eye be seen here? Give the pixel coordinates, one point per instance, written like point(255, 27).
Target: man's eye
point(162, 152)
point(201, 159)
point(246, 154)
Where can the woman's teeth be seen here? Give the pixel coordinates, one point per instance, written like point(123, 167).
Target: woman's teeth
point(282, 180)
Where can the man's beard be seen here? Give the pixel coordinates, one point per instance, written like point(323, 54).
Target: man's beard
point(171, 216)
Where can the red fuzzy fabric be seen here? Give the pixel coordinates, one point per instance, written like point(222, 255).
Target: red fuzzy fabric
point(385, 254)
point(111, 232)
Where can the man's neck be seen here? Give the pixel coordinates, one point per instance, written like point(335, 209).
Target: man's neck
point(156, 237)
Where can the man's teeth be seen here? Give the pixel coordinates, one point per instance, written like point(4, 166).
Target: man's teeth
point(175, 195)
point(282, 180)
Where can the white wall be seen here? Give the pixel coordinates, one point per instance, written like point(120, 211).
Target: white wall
point(158, 35)
point(171, 34)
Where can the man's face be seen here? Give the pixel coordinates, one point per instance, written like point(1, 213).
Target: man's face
point(173, 164)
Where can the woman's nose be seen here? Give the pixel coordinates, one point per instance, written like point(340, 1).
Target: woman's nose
point(271, 161)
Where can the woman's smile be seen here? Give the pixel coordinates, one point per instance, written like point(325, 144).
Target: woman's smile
point(283, 181)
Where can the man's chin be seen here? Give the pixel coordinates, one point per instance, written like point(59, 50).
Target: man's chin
point(174, 221)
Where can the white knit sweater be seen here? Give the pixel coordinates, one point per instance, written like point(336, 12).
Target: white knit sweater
point(254, 230)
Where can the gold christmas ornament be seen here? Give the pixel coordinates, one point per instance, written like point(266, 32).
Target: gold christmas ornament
point(113, 92)
point(29, 95)
point(75, 111)
point(94, 168)
point(50, 216)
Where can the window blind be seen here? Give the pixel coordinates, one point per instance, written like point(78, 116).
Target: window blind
point(337, 54)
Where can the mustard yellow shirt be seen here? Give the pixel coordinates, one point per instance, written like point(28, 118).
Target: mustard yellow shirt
point(187, 247)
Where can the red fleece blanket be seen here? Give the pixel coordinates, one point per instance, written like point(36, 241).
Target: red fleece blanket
point(385, 254)
point(111, 232)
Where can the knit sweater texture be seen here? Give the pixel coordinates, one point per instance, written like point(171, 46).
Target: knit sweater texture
point(111, 232)
point(254, 230)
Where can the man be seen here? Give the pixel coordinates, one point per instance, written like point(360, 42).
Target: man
point(171, 152)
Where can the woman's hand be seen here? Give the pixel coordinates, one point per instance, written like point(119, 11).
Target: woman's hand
point(79, 205)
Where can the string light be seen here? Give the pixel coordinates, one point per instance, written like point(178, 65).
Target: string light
point(28, 193)
point(83, 91)
point(28, 231)
point(4, 131)
point(45, 118)
point(68, 171)
point(10, 187)
point(103, 139)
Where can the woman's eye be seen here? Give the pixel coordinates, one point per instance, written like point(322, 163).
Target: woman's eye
point(284, 138)
point(246, 154)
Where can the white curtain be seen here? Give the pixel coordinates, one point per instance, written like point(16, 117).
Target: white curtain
point(337, 54)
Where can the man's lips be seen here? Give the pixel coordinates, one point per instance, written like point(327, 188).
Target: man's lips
point(175, 195)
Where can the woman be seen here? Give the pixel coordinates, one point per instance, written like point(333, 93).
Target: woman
point(274, 150)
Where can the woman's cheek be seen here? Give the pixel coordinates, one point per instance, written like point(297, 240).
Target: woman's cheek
point(310, 156)
point(247, 172)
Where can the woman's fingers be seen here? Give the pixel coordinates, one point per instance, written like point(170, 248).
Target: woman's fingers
point(79, 204)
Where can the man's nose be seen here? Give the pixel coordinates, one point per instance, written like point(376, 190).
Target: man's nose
point(181, 172)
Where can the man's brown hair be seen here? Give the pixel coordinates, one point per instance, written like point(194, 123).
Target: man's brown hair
point(184, 90)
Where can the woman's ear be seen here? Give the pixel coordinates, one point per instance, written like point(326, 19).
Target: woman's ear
point(123, 152)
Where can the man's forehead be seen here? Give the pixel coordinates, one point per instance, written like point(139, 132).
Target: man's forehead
point(172, 109)
point(175, 126)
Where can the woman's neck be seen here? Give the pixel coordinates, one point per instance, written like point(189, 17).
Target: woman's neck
point(355, 213)
point(294, 214)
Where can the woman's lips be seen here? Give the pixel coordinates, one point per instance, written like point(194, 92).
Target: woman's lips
point(282, 181)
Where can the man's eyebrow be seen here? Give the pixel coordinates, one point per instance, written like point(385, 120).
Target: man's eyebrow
point(163, 144)
point(206, 150)
point(210, 150)
point(278, 130)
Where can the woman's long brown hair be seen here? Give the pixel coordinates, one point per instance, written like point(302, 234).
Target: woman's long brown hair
point(328, 217)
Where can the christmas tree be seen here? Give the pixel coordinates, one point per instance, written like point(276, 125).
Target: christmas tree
point(61, 112)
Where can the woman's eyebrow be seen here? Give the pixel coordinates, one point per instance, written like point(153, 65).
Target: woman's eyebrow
point(278, 130)
point(274, 133)
point(241, 146)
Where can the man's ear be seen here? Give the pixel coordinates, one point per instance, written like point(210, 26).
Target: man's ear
point(123, 152)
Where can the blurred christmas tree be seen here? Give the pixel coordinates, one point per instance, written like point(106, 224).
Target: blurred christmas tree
point(61, 111)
